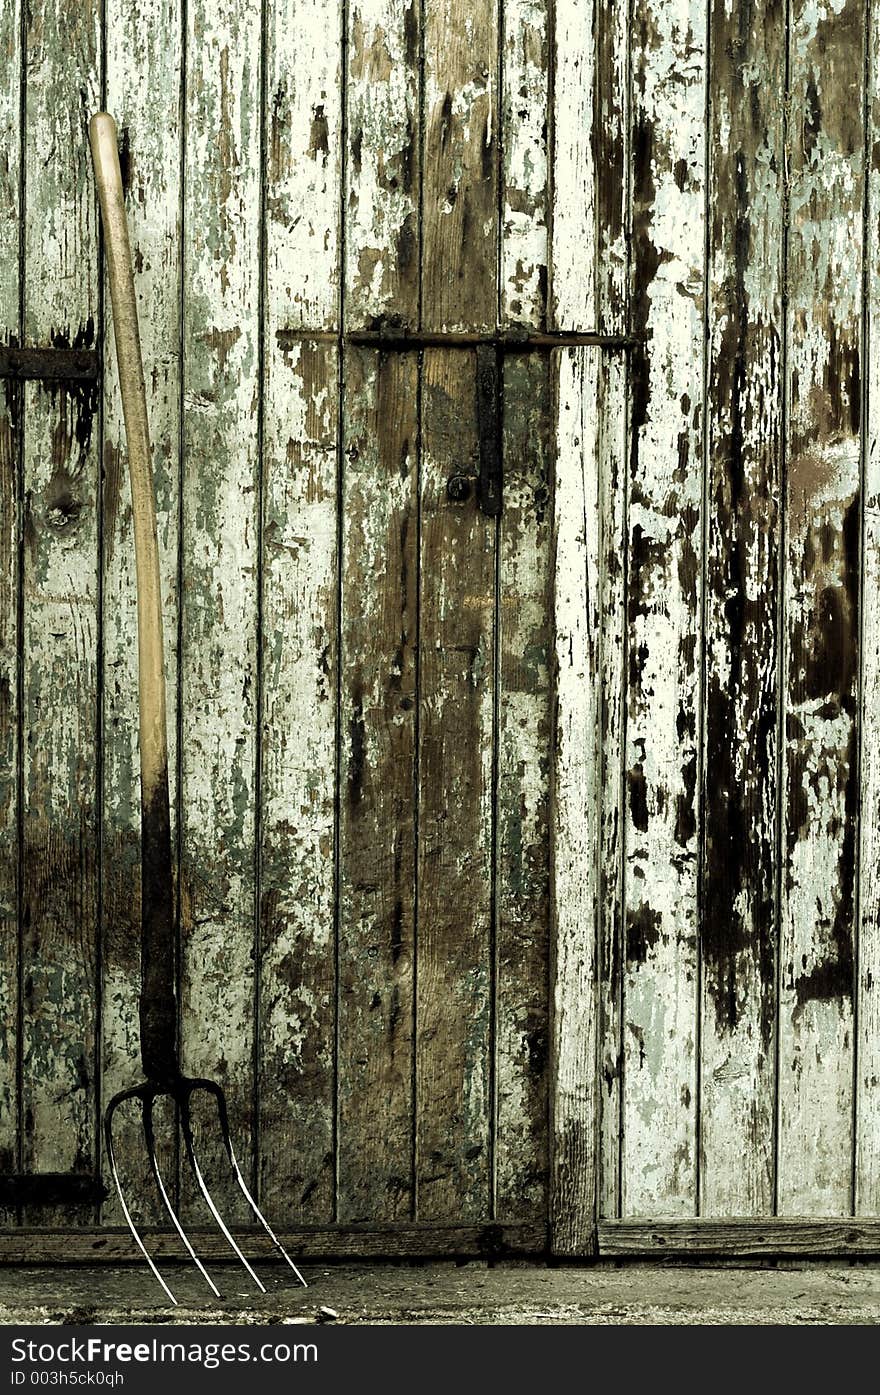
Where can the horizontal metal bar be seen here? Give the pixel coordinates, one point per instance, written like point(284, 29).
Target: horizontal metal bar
point(50, 365)
point(51, 1189)
point(507, 341)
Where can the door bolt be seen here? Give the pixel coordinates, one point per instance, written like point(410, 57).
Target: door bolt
point(458, 488)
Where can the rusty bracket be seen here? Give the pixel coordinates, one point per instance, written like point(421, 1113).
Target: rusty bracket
point(50, 365)
point(394, 340)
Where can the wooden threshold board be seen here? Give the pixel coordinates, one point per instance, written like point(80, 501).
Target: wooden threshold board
point(80, 1245)
point(741, 1237)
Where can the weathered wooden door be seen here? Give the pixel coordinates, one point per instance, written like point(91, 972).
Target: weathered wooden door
point(359, 654)
point(730, 993)
point(527, 861)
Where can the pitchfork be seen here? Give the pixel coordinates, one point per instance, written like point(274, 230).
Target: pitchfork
point(158, 1007)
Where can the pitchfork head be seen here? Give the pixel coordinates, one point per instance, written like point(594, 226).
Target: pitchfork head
point(181, 1090)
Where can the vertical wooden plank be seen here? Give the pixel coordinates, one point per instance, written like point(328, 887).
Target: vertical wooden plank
point(575, 1117)
point(525, 59)
point(143, 47)
point(218, 659)
point(377, 843)
point(822, 536)
point(297, 983)
point(303, 84)
point(299, 614)
point(59, 635)
point(10, 492)
point(576, 602)
point(460, 186)
point(456, 684)
point(867, 1119)
point(456, 626)
point(573, 242)
point(744, 406)
point(379, 620)
point(524, 631)
point(613, 157)
point(523, 806)
point(382, 185)
point(663, 652)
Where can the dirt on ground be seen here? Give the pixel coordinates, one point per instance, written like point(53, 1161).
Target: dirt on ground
point(449, 1293)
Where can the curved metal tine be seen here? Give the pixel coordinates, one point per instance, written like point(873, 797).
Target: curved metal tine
point(148, 1102)
point(108, 1140)
point(191, 1154)
point(213, 1088)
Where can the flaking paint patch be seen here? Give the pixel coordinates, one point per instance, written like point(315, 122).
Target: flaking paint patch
point(822, 608)
point(382, 198)
point(665, 541)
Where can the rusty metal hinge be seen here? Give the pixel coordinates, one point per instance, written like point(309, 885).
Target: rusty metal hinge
point(51, 1189)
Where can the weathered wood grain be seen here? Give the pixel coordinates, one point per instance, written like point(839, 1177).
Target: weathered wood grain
point(377, 775)
point(524, 717)
point(218, 654)
point(297, 919)
point(296, 1028)
point(397, 1241)
point(572, 300)
point(59, 635)
point(574, 1144)
point(744, 412)
point(866, 1177)
point(10, 518)
point(379, 618)
point(382, 186)
point(822, 530)
point(613, 158)
point(524, 621)
point(574, 1117)
point(303, 84)
point(663, 654)
point(460, 175)
point(740, 1236)
point(525, 68)
point(143, 46)
point(612, 407)
point(423, 774)
point(456, 698)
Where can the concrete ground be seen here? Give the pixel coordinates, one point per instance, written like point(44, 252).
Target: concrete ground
point(474, 1292)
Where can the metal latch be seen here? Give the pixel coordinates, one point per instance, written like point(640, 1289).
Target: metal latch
point(490, 350)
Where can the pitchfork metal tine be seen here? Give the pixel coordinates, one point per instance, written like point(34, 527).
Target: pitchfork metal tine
point(191, 1154)
point(213, 1088)
point(148, 1102)
point(111, 1158)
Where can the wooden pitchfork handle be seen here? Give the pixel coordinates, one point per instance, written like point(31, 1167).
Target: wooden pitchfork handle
point(158, 1007)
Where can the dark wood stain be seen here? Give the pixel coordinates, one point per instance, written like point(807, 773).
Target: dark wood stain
point(643, 930)
point(377, 840)
point(457, 567)
point(523, 812)
point(737, 931)
point(460, 233)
